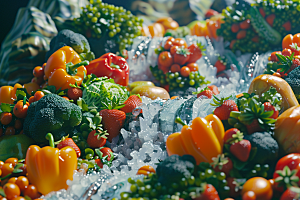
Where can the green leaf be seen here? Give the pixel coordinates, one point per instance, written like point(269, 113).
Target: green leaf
point(99, 153)
point(81, 103)
point(21, 93)
point(5, 107)
point(2, 193)
point(91, 123)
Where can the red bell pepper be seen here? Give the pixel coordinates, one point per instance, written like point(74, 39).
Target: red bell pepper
point(112, 66)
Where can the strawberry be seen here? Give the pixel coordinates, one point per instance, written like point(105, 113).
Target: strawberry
point(181, 55)
point(286, 52)
point(96, 138)
point(222, 164)
point(220, 65)
point(241, 150)
point(131, 103)
point(65, 141)
point(295, 49)
point(106, 156)
point(196, 52)
point(112, 120)
point(204, 92)
point(214, 89)
point(269, 107)
point(231, 135)
point(99, 163)
point(74, 93)
point(295, 64)
point(225, 106)
point(209, 192)
point(254, 127)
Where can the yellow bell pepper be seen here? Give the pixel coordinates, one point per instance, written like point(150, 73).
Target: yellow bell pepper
point(203, 139)
point(287, 128)
point(8, 93)
point(49, 168)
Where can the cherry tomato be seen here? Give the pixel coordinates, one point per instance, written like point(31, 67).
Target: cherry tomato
point(37, 80)
point(171, 39)
point(18, 124)
point(6, 118)
point(7, 168)
point(38, 95)
point(66, 98)
point(286, 52)
point(168, 45)
point(241, 34)
point(20, 111)
point(10, 130)
point(193, 67)
point(13, 161)
point(38, 71)
point(185, 71)
point(18, 198)
point(232, 43)
point(260, 186)
point(22, 182)
point(31, 99)
point(0, 172)
point(287, 41)
point(165, 60)
point(175, 68)
point(180, 42)
point(1, 164)
point(11, 190)
point(250, 195)
point(12, 180)
point(32, 192)
point(292, 161)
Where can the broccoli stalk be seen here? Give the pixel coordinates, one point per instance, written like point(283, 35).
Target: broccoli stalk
point(53, 114)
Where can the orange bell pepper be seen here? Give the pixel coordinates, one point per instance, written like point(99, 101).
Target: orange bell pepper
point(64, 67)
point(203, 139)
point(8, 93)
point(49, 168)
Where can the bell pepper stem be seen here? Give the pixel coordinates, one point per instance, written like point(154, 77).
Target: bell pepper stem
point(49, 137)
point(178, 120)
point(71, 68)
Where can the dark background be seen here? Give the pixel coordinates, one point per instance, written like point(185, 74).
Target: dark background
point(9, 9)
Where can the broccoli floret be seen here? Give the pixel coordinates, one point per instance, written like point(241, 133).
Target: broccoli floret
point(53, 114)
point(75, 40)
point(267, 147)
point(293, 79)
point(174, 168)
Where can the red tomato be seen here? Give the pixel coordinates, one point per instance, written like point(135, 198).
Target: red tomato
point(165, 60)
point(292, 161)
point(106, 152)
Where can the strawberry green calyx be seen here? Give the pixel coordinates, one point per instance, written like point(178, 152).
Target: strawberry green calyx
point(219, 161)
point(183, 51)
point(239, 136)
point(219, 102)
point(285, 62)
point(206, 88)
point(202, 48)
point(101, 134)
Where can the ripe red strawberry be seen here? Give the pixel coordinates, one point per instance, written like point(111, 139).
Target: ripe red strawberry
point(74, 93)
point(295, 49)
point(104, 152)
point(96, 139)
point(196, 52)
point(222, 164)
point(181, 56)
point(269, 107)
point(296, 63)
point(131, 103)
point(214, 89)
point(99, 163)
point(254, 127)
point(65, 141)
point(220, 65)
point(286, 52)
point(209, 193)
point(205, 92)
point(241, 150)
point(231, 135)
point(223, 111)
point(112, 120)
